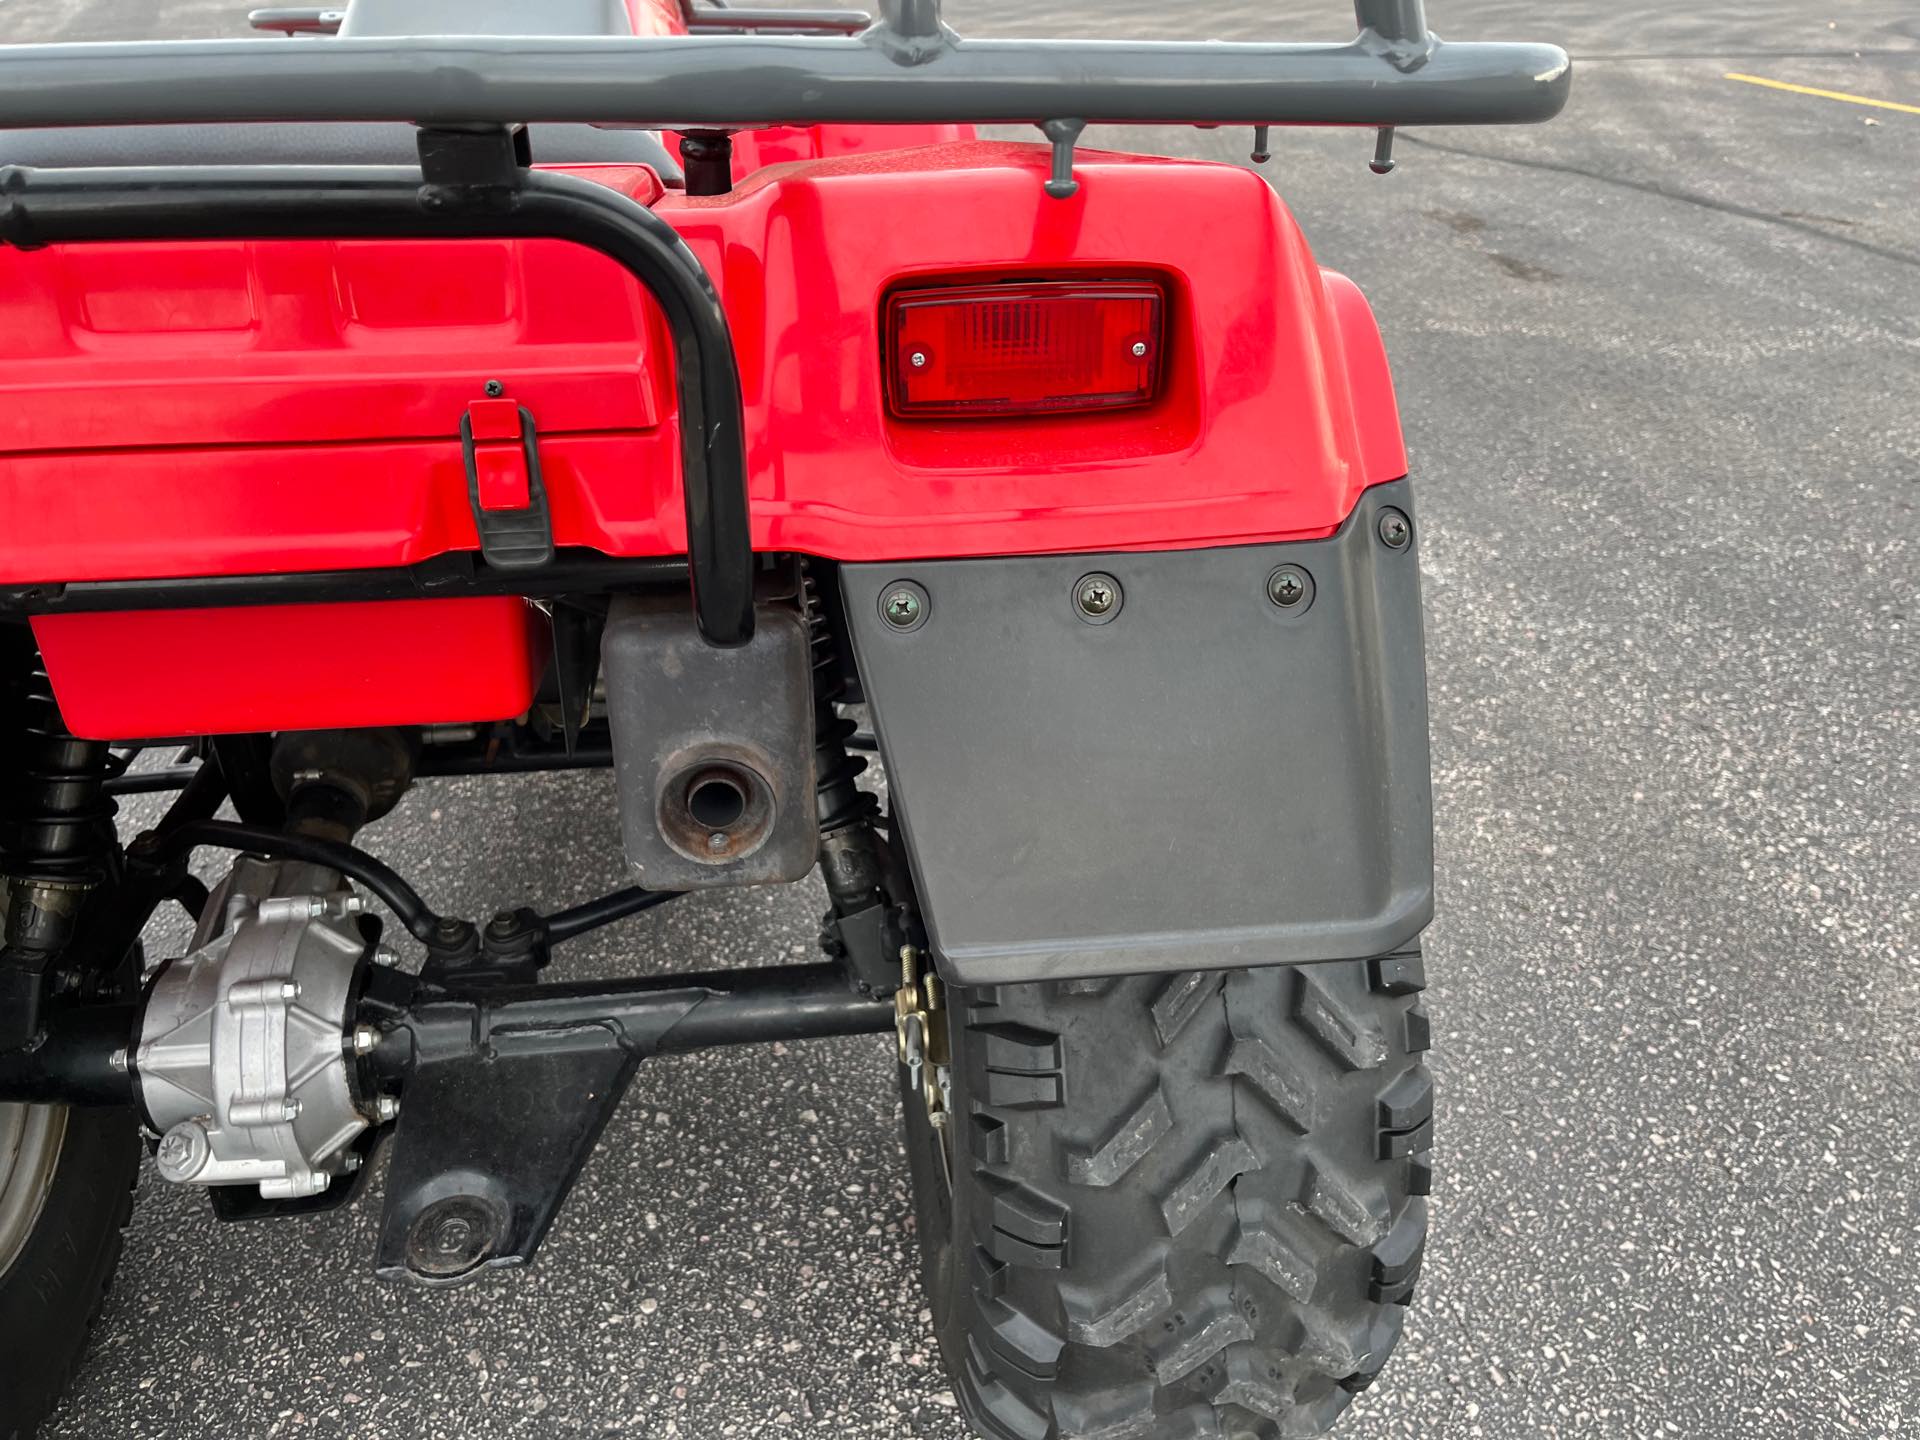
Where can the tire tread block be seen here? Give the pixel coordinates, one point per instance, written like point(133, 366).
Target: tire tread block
point(1353, 1040)
point(1226, 1160)
point(1180, 999)
point(1126, 1319)
point(1126, 1147)
point(1205, 1337)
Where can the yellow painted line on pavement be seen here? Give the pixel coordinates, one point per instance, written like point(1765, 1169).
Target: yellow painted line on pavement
point(1825, 94)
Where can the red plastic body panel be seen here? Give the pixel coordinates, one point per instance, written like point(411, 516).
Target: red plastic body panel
point(293, 667)
point(224, 408)
point(296, 406)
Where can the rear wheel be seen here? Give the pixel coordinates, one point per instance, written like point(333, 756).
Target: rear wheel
point(66, 1189)
point(1176, 1206)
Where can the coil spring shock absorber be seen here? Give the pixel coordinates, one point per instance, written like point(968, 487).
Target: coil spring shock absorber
point(865, 926)
point(54, 814)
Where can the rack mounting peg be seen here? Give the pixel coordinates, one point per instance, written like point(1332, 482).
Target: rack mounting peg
point(1065, 137)
point(1383, 161)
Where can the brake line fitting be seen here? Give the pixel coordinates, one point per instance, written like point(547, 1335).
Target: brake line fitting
point(920, 1021)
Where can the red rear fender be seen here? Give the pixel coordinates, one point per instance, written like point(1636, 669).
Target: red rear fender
point(230, 407)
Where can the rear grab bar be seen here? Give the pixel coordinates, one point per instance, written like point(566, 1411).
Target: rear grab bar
point(472, 186)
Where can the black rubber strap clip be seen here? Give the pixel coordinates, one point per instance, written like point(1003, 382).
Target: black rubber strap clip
point(509, 498)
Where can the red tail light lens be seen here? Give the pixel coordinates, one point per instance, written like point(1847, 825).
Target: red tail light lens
point(1024, 349)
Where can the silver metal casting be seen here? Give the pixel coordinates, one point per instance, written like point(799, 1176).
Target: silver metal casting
point(244, 1043)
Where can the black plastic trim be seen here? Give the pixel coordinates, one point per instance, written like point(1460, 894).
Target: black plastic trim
point(1213, 780)
point(457, 573)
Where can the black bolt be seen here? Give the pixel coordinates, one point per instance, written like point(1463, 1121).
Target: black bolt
point(1395, 530)
point(904, 606)
point(452, 1235)
point(495, 389)
point(1287, 588)
point(1098, 597)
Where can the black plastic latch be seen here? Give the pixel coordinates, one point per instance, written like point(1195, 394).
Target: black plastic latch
point(509, 499)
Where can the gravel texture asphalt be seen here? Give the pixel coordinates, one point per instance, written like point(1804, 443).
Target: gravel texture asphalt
point(1659, 364)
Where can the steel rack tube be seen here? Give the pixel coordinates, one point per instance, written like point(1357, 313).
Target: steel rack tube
point(49, 207)
point(715, 81)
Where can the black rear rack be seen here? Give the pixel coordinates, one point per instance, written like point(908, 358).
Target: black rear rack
point(470, 95)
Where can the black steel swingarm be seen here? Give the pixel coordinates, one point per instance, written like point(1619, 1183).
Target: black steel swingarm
point(504, 1091)
point(501, 1090)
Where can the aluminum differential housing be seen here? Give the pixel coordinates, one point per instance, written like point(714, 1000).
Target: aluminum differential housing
point(244, 1043)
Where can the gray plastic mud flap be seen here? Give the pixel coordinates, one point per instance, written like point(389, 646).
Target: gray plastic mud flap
point(1201, 778)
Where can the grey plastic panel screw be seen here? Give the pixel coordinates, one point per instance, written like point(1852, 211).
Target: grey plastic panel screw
point(1396, 531)
point(1098, 598)
point(1291, 588)
point(904, 606)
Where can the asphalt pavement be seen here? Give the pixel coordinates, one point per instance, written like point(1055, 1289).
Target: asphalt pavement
point(1660, 368)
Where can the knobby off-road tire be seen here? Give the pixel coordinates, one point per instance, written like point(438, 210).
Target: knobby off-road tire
point(1180, 1206)
point(52, 1290)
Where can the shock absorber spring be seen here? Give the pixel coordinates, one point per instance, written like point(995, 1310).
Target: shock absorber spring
point(849, 852)
point(55, 824)
point(54, 807)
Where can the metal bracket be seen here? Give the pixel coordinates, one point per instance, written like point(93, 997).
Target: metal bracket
point(1064, 135)
point(706, 157)
point(302, 21)
point(910, 32)
point(1396, 30)
point(505, 1089)
point(482, 158)
point(920, 1025)
point(765, 20)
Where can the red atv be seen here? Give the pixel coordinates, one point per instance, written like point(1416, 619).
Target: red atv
point(667, 390)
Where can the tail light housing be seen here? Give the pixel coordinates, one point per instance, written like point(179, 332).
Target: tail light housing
point(1024, 349)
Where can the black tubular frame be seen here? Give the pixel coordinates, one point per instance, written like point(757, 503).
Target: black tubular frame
point(49, 207)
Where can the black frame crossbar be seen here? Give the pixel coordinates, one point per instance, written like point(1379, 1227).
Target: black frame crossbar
point(49, 207)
